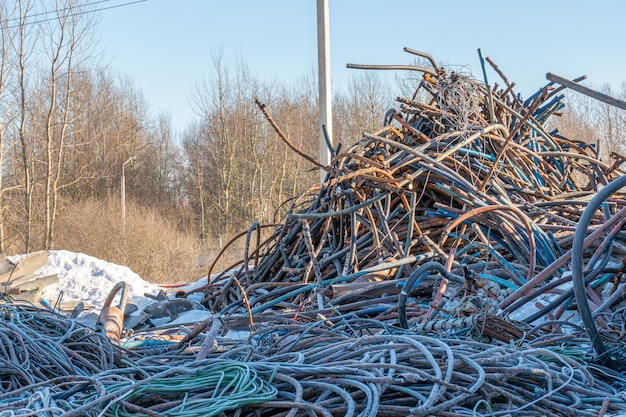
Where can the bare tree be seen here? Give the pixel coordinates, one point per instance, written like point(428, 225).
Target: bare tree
point(288, 174)
point(111, 127)
point(217, 104)
point(64, 37)
point(595, 122)
point(238, 167)
point(159, 169)
point(23, 45)
point(194, 183)
point(611, 123)
point(362, 108)
point(7, 72)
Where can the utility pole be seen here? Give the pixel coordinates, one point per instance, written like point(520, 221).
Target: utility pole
point(325, 97)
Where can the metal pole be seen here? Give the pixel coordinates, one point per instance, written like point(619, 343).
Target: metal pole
point(323, 64)
point(123, 194)
point(586, 91)
point(123, 198)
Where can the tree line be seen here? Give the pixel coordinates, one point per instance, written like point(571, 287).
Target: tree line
point(71, 128)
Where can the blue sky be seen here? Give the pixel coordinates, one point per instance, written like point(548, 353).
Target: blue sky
point(167, 46)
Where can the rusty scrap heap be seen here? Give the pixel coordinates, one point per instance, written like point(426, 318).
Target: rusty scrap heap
point(464, 215)
point(463, 260)
point(463, 183)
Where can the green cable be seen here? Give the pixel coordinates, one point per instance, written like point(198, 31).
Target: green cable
point(486, 405)
point(233, 385)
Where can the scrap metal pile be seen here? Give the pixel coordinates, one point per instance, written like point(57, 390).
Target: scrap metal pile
point(462, 260)
point(462, 210)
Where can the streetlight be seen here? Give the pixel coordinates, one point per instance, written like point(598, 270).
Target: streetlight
point(123, 193)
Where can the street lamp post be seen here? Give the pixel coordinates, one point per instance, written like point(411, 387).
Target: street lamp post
point(123, 193)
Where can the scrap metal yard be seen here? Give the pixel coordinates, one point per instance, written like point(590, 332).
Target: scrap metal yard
point(465, 259)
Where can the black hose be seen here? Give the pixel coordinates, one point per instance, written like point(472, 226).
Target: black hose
point(415, 277)
point(577, 267)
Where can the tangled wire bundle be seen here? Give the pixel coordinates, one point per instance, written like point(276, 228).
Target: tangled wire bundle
point(461, 260)
point(467, 179)
point(354, 367)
